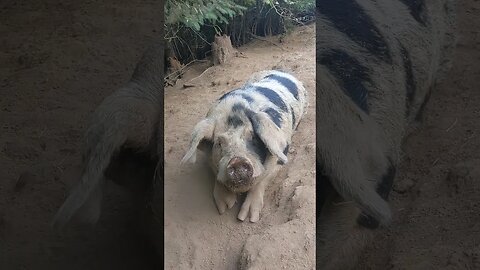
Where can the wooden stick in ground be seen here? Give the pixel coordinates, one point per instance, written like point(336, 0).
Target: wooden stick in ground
point(184, 67)
point(190, 84)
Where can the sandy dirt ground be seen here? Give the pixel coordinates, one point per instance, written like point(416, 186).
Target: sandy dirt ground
point(60, 59)
point(196, 236)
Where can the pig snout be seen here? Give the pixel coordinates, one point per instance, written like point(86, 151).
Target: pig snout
point(239, 170)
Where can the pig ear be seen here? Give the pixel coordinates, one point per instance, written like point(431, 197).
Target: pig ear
point(206, 146)
point(202, 136)
point(270, 134)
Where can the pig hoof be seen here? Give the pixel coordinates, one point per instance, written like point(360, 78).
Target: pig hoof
point(223, 198)
point(253, 204)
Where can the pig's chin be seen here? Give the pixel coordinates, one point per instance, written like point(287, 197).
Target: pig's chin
point(240, 188)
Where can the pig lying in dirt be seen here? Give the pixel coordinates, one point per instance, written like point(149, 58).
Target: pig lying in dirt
point(246, 135)
point(125, 126)
point(376, 64)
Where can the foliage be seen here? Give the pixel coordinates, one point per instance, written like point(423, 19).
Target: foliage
point(300, 6)
point(195, 13)
point(192, 24)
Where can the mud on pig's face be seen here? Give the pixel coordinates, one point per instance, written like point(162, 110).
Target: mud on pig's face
point(238, 156)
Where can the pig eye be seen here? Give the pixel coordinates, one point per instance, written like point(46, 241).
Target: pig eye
point(221, 141)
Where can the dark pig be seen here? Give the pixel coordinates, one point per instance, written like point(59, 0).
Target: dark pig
point(377, 62)
point(127, 119)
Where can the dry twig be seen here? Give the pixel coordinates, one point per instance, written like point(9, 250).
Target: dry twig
point(266, 40)
point(179, 72)
point(190, 81)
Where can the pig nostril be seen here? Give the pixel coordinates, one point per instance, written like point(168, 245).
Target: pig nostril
point(239, 170)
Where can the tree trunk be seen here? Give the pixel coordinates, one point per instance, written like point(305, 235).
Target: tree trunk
point(222, 50)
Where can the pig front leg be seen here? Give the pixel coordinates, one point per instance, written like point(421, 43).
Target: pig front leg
point(223, 197)
point(253, 203)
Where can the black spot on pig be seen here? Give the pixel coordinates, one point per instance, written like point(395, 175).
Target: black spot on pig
point(293, 117)
point(256, 146)
point(234, 121)
point(257, 128)
point(348, 17)
point(350, 73)
point(410, 82)
point(385, 186)
point(228, 94)
point(285, 152)
point(419, 115)
point(417, 8)
point(323, 187)
point(238, 107)
point(383, 189)
point(275, 116)
point(273, 97)
point(248, 98)
point(235, 93)
point(287, 83)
